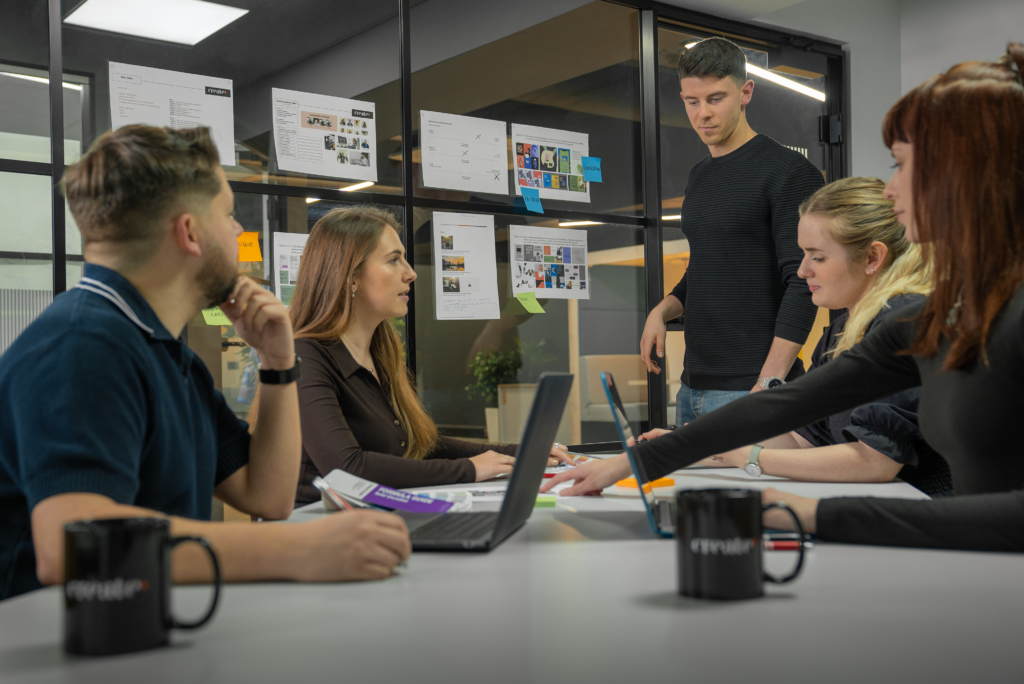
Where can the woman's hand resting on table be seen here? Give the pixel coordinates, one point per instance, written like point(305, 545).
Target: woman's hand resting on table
point(591, 477)
point(491, 464)
point(806, 510)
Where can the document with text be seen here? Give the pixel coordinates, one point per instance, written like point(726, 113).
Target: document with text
point(322, 135)
point(465, 267)
point(464, 153)
point(158, 97)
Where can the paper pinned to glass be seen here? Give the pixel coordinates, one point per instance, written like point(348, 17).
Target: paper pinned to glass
point(551, 263)
point(322, 135)
point(464, 153)
point(159, 97)
point(551, 161)
point(288, 248)
point(465, 267)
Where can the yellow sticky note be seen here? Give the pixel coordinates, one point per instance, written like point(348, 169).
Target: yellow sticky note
point(249, 247)
point(214, 316)
point(529, 300)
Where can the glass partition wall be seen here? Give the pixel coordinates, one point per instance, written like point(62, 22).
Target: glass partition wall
point(603, 72)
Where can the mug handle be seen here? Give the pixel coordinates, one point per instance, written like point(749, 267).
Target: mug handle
point(174, 622)
point(803, 546)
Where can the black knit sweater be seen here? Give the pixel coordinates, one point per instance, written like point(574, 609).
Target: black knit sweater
point(741, 289)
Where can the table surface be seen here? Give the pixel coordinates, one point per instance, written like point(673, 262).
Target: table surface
point(587, 594)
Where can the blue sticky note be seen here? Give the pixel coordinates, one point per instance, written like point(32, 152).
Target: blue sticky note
point(592, 169)
point(532, 198)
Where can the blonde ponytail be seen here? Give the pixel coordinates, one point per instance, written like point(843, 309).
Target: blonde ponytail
point(858, 215)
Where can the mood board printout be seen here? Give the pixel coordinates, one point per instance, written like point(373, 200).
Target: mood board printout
point(464, 153)
point(551, 161)
point(322, 135)
point(465, 267)
point(288, 248)
point(550, 262)
point(158, 97)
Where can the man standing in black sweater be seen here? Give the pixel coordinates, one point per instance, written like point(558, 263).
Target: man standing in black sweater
point(747, 312)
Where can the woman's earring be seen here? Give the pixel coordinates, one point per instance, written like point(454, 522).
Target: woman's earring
point(353, 293)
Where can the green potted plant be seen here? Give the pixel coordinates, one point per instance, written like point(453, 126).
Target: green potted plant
point(493, 368)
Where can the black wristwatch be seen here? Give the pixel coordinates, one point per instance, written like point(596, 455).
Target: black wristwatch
point(281, 377)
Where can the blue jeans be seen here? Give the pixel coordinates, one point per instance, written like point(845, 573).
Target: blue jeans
point(691, 403)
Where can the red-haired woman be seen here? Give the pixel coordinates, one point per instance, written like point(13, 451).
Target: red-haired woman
point(958, 188)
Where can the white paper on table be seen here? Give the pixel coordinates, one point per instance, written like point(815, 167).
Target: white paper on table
point(158, 97)
point(463, 153)
point(465, 267)
point(288, 248)
point(324, 136)
point(551, 161)
point(550, 262)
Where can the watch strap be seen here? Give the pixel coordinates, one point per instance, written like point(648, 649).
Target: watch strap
point(755, 454)
point(281, 377)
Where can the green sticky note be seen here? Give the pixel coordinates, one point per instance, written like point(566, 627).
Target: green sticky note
point(214, 316)
point(544, 502)
point(529, 300)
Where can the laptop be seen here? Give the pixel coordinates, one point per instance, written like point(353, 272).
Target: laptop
point(483, 530)
point(660, 514)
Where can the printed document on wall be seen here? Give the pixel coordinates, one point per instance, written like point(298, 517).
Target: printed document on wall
point(288, 249)
point(324, 136)
point(157, 97)
point(464, 153)
point(551, 161)
point(465, 267)
point(550, 262)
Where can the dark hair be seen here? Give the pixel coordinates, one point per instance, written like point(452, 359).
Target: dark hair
point(967, 129)
point(716, 58)
point(134, 176)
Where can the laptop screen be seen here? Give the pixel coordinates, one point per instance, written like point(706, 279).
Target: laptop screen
point(626, 435)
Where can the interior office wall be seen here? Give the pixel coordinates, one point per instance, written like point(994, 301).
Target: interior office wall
point(936, 34)
point(870, 33)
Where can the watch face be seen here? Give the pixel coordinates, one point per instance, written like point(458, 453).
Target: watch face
point(753, 470)
point(775, 382)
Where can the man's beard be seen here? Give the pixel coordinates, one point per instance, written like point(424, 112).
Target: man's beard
point(217, 277)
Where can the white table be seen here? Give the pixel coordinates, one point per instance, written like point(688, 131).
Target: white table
point(580, 597)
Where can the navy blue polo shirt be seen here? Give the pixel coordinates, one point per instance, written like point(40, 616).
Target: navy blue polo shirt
point(97, 397)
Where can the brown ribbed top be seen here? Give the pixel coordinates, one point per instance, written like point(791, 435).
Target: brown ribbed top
point(348, 423)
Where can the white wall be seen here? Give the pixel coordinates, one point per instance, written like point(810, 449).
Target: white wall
point(936, 34)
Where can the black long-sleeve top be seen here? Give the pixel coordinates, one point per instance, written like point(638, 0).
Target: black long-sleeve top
point(741, 290)
point(348, 423)
point(970, 415)
point(888, 425)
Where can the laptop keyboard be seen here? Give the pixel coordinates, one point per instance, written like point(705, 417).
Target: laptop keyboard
point(456, 526)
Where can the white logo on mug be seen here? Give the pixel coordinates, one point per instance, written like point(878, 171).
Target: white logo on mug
point(118, 589)
point(737, 546)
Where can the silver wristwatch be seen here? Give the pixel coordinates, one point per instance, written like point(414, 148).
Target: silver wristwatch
point(752, 468)
point(771, 382)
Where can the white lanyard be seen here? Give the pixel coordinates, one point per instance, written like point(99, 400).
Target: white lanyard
point(103, 290)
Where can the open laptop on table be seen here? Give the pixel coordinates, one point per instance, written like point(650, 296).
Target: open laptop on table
point(661, 514)
point(483, 530)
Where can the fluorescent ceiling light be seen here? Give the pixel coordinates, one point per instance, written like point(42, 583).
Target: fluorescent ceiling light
point(580, 223)
point(781, 80)
point(785, 82)
point(310, 200)
point(357, 186)
point(672, 218)
point(39, 79)
point(176, 21)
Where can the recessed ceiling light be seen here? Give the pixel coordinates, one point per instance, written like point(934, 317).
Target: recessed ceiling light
point(176, 21)
point(357, 186)
point(310, 200)
point(672, 218)
point(39, 79)
point(580, 223)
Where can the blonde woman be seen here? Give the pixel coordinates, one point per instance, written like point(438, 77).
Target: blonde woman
point(359, 409)
point(856, 257)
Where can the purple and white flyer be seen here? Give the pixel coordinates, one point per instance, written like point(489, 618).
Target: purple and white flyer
point(384, 497)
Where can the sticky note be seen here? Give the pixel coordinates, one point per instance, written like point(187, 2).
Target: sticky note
point(592, 169)
point(532, 198)
point(529, 301)
point(249, 247)
point(214, 316)
point(630, 483)
point(544, 502)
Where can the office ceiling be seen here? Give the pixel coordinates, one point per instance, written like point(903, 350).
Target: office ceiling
point(742, 10)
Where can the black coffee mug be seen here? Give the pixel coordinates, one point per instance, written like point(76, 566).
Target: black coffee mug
point(719, 546)
point(117, 585)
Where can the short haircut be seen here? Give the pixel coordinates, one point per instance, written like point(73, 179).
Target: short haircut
point(133, 177)
point(714, 58)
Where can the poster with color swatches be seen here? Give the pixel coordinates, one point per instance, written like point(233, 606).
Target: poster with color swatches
point(549, 262)
point(551, 161)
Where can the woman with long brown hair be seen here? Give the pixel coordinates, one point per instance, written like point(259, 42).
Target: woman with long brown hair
point(958, 189)
point(359, 409)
